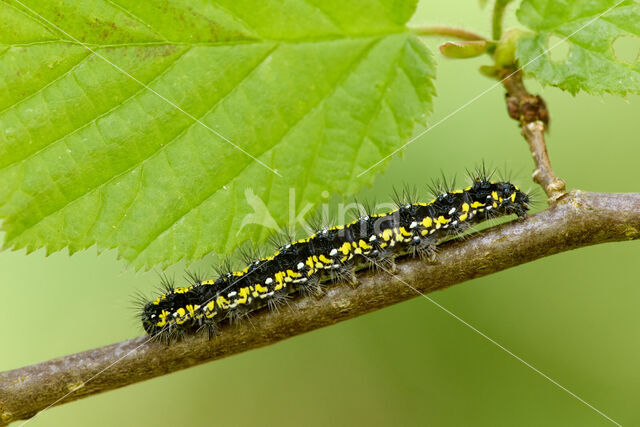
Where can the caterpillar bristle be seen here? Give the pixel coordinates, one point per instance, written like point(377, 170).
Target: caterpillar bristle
point(277, 301)
point(441, 185)
point(249, 254)
point(167, 284)
point(224, 268)
point(481, 172)
point(311, 287)
point(195, 278)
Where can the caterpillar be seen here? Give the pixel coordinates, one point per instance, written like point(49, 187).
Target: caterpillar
point(304, 266)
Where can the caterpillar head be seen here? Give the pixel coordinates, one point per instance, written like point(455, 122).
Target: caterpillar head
point(151, 321)
point(511, 200)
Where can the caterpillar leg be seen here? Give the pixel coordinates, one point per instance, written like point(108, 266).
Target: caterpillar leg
point(312, 287)
point(277, 300)
point(209, 328)
point(345, 273)
point(426, 249)
point(384, 264)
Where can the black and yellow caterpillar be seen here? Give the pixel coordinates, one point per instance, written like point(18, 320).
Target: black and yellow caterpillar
point(302, 266)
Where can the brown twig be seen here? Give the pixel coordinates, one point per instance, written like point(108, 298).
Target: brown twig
point(580, 219)
point(532, 114)
point(444, 31)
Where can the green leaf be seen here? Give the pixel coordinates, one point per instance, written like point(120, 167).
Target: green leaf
point(592, 27)
point(317, 90)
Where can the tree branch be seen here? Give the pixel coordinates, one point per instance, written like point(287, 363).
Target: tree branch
point(531, 111)
point(577, 220)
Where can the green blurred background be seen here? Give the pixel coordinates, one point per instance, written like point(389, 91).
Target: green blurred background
point(573, 316)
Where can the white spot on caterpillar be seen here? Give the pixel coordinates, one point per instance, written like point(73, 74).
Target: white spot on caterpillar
point(300, 265)
point(416, 238)
point(452, 211)
point(413, 225)
point(333, 252)
point(288, 246)
point(232, 294)
point(454, 223)
point(489, 208)
point(373, 238)
point(268, 281)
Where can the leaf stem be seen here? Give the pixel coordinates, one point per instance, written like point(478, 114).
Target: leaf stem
point(446, 31)
point(496, 21)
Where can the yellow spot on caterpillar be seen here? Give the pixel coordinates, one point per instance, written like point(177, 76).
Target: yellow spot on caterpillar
point(465, 207)
point(345, 248)
point(259, 289)
point(280, 279)
point(424, 232)
point(427, 222)
point(494, 195)
point(387, 234)
point(457, 192)
point(181, 316)
point(364, 245)
point(293, 274)
point(513, 197)
point(463, 217)
point(357, 251)
point(163, 318)
point(405, 232)
point(309, 262)
point(243, 293)
point(476, 205)
point(208, 282)
point(222, 302)
point(192, 309)
point(324, 259)
point(442, 220)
